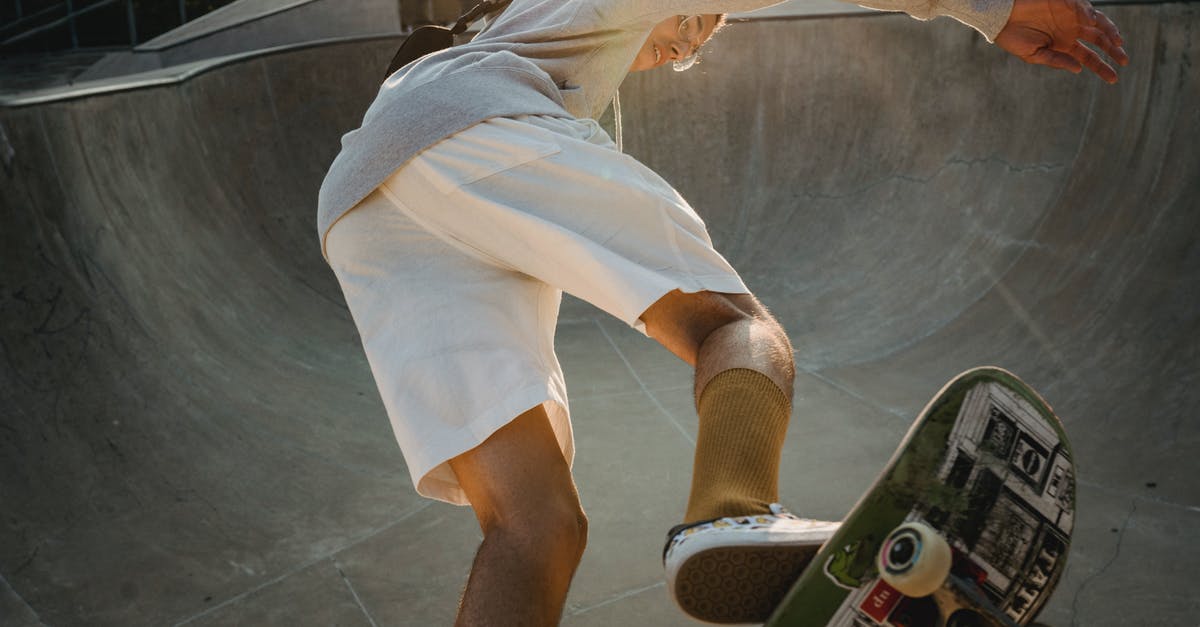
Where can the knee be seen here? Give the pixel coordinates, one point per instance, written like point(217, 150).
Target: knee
point(744, 321)
point(555, 527)
point(565, 526)
point(685, 322)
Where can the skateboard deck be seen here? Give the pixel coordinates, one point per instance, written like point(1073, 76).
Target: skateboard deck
point(987, 466)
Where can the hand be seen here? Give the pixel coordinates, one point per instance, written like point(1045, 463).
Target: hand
point(1049, 32)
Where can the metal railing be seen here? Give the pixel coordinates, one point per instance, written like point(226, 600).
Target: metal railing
point(25, 26)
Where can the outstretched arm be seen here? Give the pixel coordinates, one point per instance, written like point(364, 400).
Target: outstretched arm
point(1051, 32)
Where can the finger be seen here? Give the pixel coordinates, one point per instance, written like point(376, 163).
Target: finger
point(1106, 25)
point(1085, 14)
point(1102, 40)
point(1055, 59)
point(1117, 50)
point(1088, 58)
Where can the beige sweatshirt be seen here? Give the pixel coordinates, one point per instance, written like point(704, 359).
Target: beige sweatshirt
point(539, 57)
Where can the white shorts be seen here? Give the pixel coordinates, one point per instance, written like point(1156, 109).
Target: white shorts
point(454, 268)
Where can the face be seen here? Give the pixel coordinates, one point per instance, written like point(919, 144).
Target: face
point(666, 43)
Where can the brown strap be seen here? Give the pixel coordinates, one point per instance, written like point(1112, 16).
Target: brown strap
point(428, 39)
point(487, 7)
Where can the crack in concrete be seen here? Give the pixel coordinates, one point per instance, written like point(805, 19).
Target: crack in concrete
point(7, 586)
point(362, 606)
point(641, 384)
point(620, 596)
point(1103, 569)
point(29, 559)
point(1140, 497)
point(870, 402)
point(925, 180)
point(328, 555)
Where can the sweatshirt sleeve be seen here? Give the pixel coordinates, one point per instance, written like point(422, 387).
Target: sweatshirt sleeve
point(986, 16)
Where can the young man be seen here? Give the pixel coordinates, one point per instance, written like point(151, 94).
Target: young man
point(479, 187)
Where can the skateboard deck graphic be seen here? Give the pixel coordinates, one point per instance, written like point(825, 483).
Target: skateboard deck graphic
point(987, 466)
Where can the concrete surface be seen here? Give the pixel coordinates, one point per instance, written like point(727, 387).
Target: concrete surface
point(27, 72)
point(190, 434)
point(248, 25)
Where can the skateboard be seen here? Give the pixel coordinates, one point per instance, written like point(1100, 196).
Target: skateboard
point(969, 523)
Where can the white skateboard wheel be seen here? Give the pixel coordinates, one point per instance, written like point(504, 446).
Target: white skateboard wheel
point(915, 559)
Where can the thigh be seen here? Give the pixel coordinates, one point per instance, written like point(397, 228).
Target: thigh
point(458, 347)
point(550, 198)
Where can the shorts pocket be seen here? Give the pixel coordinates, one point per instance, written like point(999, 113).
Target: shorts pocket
point(483, 150)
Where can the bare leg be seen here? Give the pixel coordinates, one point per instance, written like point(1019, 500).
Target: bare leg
point(718, 332)
point(533, 525)
point(743, 391)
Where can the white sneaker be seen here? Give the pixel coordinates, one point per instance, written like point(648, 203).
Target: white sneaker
point(738, 569)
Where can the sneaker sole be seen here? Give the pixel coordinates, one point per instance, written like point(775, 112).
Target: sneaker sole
point(739, 584)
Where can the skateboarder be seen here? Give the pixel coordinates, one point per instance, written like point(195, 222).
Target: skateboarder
point(479, 187)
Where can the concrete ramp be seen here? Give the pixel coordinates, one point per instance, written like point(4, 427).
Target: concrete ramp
point(248, 25)
point(190, 435)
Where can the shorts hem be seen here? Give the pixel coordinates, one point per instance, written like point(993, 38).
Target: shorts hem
point(720, 283)
point(432, 476)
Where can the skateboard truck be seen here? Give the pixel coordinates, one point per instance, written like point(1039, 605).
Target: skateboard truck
point(916, 560)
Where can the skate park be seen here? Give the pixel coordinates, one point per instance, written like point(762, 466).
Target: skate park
point(191, 435)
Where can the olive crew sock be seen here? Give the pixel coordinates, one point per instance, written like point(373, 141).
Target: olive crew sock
point(743, 421)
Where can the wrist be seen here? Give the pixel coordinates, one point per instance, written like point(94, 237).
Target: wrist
point(986, 16)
